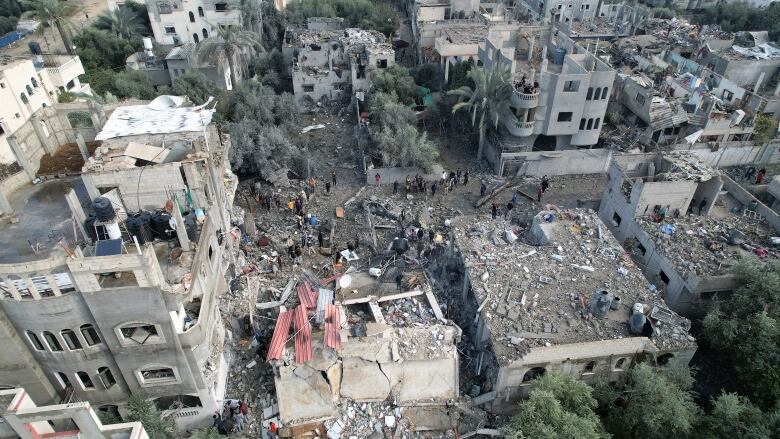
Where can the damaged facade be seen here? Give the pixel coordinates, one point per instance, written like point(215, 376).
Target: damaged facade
point(132, 306)
point(563, 297)
point(170, 62)
point(329, 61)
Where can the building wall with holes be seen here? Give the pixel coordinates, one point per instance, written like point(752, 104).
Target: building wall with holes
point(177, 22)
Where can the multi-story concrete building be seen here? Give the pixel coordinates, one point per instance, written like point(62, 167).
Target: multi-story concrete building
point(29, 84)
point(177, 61)
point(559, 305)
point(21, 418)
point(176, 22)
point(689, 252)
point(560, 98)
point(121, 297)
point(328, 61)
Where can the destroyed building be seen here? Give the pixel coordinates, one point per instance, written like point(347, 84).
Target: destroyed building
point(111, 281)
point(163, 64)
point(562, 297)
point(21, 417)
point(329, 61)
point(560, 97)
point(359, 338)
point(688, 252)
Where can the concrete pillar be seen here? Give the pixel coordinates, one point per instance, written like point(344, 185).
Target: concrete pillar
point(21, 158)
point(53, 284)
point(94, 114)
point(31, 288)
point(92, 190)
point(78, 212)
point(531, 47)
point(446, 69)
point(36, 123)
point(12, 288)
point(181, 230)
point(5, 205)
point(759, 81)
point(82, 147)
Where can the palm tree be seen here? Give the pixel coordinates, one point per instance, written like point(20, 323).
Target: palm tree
point(54, 12)
point(122, 21)
point(251, 15)
point(489, 98)
point(230, 43)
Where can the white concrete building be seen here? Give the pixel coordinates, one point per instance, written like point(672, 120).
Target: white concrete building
point(177, 22)
point(27, 85)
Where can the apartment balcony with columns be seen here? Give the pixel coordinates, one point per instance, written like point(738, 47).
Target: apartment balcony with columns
point(525, 96)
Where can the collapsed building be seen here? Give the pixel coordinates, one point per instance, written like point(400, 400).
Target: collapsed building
point(328, 61)
point(709, 225)
point(110, 282)
point(563, 297)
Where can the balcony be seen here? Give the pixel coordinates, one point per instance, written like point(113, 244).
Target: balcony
point(521, 129)
point(63, 70)
point(521, 99)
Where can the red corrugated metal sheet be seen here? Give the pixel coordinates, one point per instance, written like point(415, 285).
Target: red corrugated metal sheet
point(332, 325)
point(279, 339)
point(306, 295)
point(327, 280)
point(303, 350)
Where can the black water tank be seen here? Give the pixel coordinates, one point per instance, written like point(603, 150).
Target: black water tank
point(35, 48)
point(94, 233)
point(104, 210)
point(160, 225)
point(191, 225)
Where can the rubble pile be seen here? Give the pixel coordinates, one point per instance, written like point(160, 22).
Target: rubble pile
point(377, 420)
point(708, 246)
point(540, 295)
point(685, 167)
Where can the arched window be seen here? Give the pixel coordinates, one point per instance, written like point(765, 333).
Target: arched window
point(205, 33)
point(106, 377)
point(90, 334)
point(590, 124)
point(35, 341)
point(596, 124)
point(195, 38)
point(86, 381)
point(582, 124)
point(533, 374)
point(51, 340)
point(192, 17)
point(589, 367)
point(29, 89)
point(63, 379)
point(200, 11)
point(590, 94)
point(70, 339)
point(619, 364)
point(597, 93)
point(604, 92)
point(34, 82)
point(24, 98)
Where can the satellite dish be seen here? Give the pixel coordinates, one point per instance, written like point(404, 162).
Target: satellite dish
point(345, 281)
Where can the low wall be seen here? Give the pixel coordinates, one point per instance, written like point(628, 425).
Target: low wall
point(9, 186)
point(580, 161)
point(734, 153)
point(389, 175)
point(745, 197)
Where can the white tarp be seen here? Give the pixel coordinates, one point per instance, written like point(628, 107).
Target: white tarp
point(161, 116)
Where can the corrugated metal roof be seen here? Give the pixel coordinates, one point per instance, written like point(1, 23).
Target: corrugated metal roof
point(332, 326)
point(306, 295)
point(279, 339)
point(325, 298)
point(303, 350)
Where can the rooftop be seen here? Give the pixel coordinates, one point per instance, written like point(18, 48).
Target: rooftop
point(672, 166)
point(163, 115)
point(540, 295)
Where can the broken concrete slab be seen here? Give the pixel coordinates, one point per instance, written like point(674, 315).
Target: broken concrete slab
point(303, 394)
point(364, 380)
point(430, 418)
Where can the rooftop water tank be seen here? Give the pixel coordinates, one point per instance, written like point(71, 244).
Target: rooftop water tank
point(104, 210)
point(599, 305)
point(559, 55)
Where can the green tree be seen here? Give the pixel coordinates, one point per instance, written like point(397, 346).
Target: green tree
point(261, 150)
point(396, 80)
point(364, 14)
point(652, 404)
point(101, 50)
point(559, 407)
point(254, 101)
point(132, 84)
point(143, 411)
point(744, 328)
point(429, 75)
point(734, 416)
point(268, 67)
point(196, 86)
point(122, 22)
point(764, 128)
point(404, 146)
point(388, 113)
point(10, 8)
point(459, 74)
point(7, 24)
point(205, 433)
point(56, 13)
point(487, 101)
point(230, 44)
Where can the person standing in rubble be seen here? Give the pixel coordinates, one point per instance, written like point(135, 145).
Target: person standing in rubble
point(290, 247)
point(431, 235)
point(443, 178)
point(395, 187)
point(312, 184)
point(399, 280)
point(466, 178)
point(494, 209)
point(279, 261)
point(760, 176)
point(377, 178)
point(433, 189)
point(327, 187)
point(482, 188)
point(298, 254)
point(320, 238)
point(545, 184)
point(539, 193)
point(333, 177)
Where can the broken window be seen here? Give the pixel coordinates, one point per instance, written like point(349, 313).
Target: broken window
point(70, 339)
point(90, 334)
point(35, 341)
point(63, 380)
point(565, 116)
point(340, 86)
point(86, 381)
point(315, 47)
point(140, 333)
point(727, 95)
point(308, 88)
point(571, 86)
point(589, 367)
point(220, 7)
point(106, 377)
point(51, 340)
point(381, 63)
point(158, 375)
point(641, 248)
point(667, 131)
point(604, 92)
point(536, 372)
point(164, 8)
point(640, 98)
point(174, 402)
point(619, 364)
point(170, 30)
point(616, 219)
point(664, 359)
point(664, 277)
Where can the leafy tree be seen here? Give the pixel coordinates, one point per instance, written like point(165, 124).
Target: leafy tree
point(429, 75)
point(231, 43)
point(734, 416)
point(404, 146)
point(488, 100)
point(132, 84)
point(262, 18)
point(651, 405)
point(663, 12)
point(739, 16)
point(254, 101)
point(269, 67)
point(459, 74)
point(122, 22)
point(744, 328)
point(56, 13)
point(66, 97)
point(559, 407)
point(100, 50)
point(143, 411)
point(364, 14)
point(10, 8)
point(389, 114)
point(100, 80)
point(764, 129)
point(196, 86)
point(396, 80)
point(260, 150)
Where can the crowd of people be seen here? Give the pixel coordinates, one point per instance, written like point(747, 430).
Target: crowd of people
point(234, 415)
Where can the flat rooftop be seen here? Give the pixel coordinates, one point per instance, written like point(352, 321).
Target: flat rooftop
point(42, 218)
point(534, 295)
point(672, 166)
point(163, 115)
